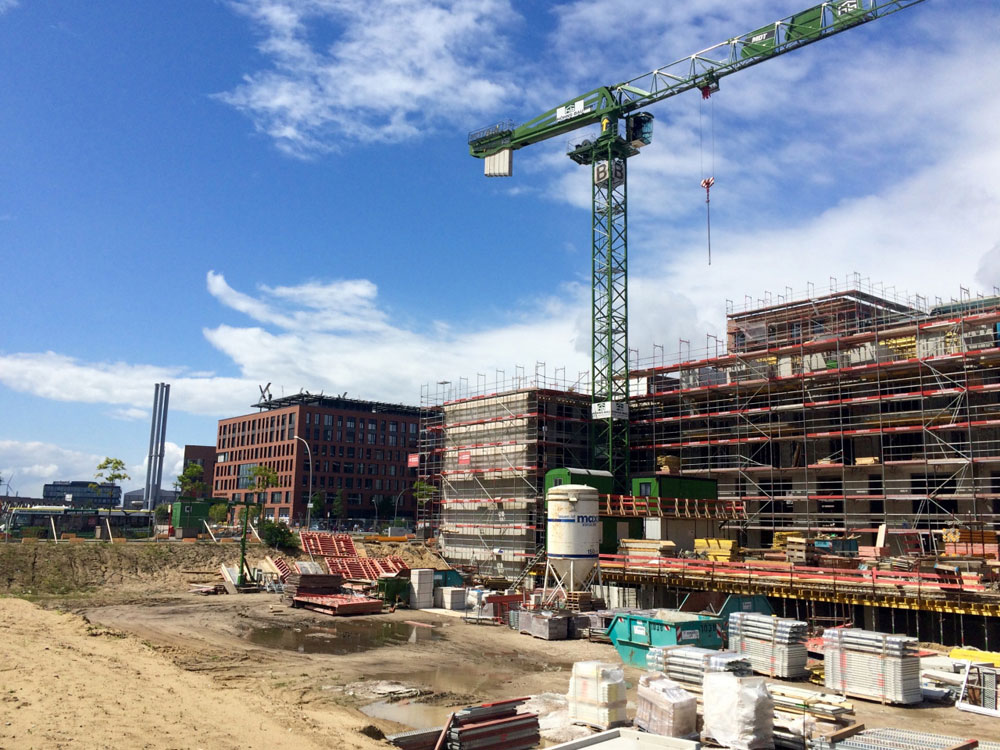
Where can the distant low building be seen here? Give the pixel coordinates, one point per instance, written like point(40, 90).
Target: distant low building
point(134, 498)
point(82, 494)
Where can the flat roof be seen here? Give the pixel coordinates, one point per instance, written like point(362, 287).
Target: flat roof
point(335, 402)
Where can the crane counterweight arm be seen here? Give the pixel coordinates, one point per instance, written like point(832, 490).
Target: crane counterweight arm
point(701, 70)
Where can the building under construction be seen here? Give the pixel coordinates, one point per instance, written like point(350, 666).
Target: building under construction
point(837, 412)
point(830, 414)
point(488, 450)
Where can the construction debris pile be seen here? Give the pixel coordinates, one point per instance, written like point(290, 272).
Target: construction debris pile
point(872, 665)
point(774, 646)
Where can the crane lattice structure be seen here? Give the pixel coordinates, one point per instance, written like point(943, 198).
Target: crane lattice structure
point(624, 130)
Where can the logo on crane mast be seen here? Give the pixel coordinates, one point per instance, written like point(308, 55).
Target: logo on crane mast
point(617, 172)
point(570, 111)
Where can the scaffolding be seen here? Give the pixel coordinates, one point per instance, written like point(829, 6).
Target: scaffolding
point(486, 450)
point(836, 411)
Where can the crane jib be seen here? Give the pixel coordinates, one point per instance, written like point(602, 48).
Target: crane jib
point(699, 70)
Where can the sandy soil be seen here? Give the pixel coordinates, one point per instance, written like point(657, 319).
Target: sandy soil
point(133, 661)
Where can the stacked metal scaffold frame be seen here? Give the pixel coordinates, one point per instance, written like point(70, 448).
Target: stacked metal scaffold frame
point(774, 646)
point(841, 409)
point(872, 665)
point(487, 449)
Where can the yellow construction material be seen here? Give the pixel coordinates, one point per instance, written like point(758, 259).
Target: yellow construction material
point(979, 657)
point(717, 549)
point(781, 538)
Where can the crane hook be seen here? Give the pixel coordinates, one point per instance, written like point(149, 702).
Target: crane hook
point(707, 184)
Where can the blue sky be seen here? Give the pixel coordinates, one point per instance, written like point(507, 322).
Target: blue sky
point(223, 194)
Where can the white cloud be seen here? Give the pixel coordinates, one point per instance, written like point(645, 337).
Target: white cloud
point(392, 71)
point(6, 5)
point(62, 378)
point(129, 414)
point(29, 465)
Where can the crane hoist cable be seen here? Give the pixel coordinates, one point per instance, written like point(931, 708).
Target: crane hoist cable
point(709, 179)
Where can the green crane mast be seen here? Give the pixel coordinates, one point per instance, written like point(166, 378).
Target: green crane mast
point(624, 129)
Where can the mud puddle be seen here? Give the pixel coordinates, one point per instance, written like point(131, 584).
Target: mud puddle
point(346, 637)
point(413, 715)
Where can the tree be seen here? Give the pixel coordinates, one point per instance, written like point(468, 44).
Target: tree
point(423, 492)
point(191, 483)
point(218, 513)
point(278, 535)
point(337, 506)
point(162, 514)
point(318, 504)
point(110, 470)
point(264, 478)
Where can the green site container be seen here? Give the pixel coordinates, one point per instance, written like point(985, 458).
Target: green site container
point(685, 488)
point(633, 634)
point(722, 605)
point(759, 43)
point(189, 514)
point(805, 25)
point(393, 590)
point(602, 481)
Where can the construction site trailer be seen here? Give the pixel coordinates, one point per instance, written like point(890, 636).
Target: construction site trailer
point(600, 480)
point(686, 488)
point(189, 516)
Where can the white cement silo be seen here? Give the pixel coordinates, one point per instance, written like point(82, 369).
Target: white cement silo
point(572, 536)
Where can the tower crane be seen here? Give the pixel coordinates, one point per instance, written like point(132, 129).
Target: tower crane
point(624, 129)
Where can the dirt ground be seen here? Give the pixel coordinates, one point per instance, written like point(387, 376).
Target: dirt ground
point(142, 664)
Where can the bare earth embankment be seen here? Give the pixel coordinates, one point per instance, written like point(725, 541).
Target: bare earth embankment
point(117, 654)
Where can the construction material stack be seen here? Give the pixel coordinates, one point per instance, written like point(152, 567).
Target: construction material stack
point(493, 725)
point(450, 597)
point(738, 712)
point(597, 695)
point(665, 708)
point(867, 664)
point(775, 646)
point(689, 664)
point(421, 588)
point(725, 550)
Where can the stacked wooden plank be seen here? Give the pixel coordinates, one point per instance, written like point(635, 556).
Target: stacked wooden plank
point(725, 550)
point(774, 646)
point(866, 664)
point(800, 550)
point(646, 547)
point(579, 601)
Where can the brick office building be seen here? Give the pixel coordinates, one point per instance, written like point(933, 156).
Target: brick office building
point(359, 448)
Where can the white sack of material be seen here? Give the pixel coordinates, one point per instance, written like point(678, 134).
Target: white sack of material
point(738, 712)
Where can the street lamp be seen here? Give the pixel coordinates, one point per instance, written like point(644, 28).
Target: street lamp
point(309, 500)
point(395, 505)
point(375, 503)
